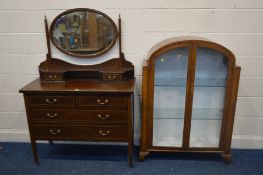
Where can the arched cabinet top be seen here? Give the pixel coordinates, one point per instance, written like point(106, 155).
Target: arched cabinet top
point(191, 42)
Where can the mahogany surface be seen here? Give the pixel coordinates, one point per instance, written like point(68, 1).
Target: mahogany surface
point(80, 110)
point(78, 86)
point(111, 70)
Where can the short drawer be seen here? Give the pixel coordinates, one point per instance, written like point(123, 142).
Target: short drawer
point(53, 76)
point(102, 100)
point(80, 132)
point(111, 77)
point(50, 100)
point(79, 115)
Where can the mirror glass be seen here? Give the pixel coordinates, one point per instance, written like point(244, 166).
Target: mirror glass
point(83, 32)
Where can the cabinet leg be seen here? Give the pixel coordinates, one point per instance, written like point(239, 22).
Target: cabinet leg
point(227, 157)
point(34, 150)
point(142, 155)
point(130, 154)
point(50, 142)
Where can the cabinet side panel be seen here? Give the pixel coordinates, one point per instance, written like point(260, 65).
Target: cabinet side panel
point(232, 109)
point(28, 114)
point(144, 143)
point(31, 134)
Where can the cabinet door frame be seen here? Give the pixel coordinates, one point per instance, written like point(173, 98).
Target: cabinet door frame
point(192, 46)
point(227, 117)
point(151, 86)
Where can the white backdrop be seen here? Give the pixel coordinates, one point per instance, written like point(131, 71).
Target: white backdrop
point(236, 24)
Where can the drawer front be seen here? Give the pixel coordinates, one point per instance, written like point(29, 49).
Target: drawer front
point(101, 100)
point(79, 115)
point(111, 77)
point(80, 132)
point(52, 100)
point(53, 76)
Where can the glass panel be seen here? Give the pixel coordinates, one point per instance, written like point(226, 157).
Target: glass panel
point(169, 97)
point(208, 100)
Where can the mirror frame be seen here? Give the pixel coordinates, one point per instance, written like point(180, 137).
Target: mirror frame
point(87, 55)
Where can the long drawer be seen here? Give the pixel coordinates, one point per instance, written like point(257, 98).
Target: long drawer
point(102, 100)
point(78, 115)
point(83, 132)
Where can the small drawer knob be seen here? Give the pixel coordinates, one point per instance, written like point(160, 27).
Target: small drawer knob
point(104, 133)
point(107, 116)
point(52, 76)
point(54, 132)
point(52, 116)
point(51, 101)
point(102, 103)
point(112, 77)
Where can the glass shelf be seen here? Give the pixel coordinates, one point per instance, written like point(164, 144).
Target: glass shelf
point(197, 113)
point(199, 82)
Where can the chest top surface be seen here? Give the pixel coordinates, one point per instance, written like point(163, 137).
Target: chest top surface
point(99, 86)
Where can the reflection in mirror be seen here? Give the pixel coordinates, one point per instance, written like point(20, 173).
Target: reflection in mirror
point(83, 33)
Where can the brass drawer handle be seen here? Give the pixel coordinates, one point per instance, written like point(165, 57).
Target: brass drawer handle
point(104, 133)
point(51, 131)
point(52, 77)
point(102, 103)
point(54, 100)
point(52, 116)
point(112, 77)
point(105, 117)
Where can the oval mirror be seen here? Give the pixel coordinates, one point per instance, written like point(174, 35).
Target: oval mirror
point(83, 32)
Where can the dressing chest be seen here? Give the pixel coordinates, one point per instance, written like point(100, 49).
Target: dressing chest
point(82, 102)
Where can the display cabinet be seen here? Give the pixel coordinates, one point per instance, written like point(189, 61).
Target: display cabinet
point(189, 96)
point(71, 102)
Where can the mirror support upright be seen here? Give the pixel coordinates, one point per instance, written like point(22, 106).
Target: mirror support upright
point(48, 56)
point(121, 54)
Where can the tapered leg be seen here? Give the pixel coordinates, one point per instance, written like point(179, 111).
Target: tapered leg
point(130, 128)
point(130, 146)
point(227, 157)
point(50, 142)
point(34, 150)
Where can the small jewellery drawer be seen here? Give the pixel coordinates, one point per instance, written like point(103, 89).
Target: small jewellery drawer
point(51, 100)
point(79, 115)
point(111, 77)
point(53, 76)
point(101, 100)
point(81, 132)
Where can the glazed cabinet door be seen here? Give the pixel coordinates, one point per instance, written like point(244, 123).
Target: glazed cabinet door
point(189, 97)
point(208, 97)
point(169, 70)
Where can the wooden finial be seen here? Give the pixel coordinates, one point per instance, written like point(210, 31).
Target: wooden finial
point(48, 40)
